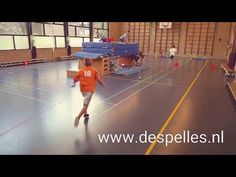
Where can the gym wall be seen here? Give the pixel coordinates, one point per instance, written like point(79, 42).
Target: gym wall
point(209, 39)
point(14, 55)
point(114, 30)
point(17, 38)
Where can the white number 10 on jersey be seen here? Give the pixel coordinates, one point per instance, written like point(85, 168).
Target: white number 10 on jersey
point(87, 74)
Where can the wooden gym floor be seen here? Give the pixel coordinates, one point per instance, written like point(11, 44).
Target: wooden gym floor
point(38, 107)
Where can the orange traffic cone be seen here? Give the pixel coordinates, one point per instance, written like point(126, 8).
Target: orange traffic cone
point(176, 64)
point(213, 66)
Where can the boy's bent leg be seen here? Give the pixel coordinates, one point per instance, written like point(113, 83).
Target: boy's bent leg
point(83, 110)
point(172, 58)
point(87, 98)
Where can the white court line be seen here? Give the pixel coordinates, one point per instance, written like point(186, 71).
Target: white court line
point(15, 74)
point(29, 119)
point(13, 93)
point(13, 83)
point(21, 85)
point(121, 78)
point(171, 85)
point(134, 85)
point(37, 88)
point(43, 88)
point(108, 103)
point(102, 100)
point(137, 92)
point(114, 105)
point(145, 80)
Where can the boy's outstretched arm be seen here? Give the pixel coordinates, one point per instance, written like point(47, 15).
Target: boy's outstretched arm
point(75, 79)
point(98, 78)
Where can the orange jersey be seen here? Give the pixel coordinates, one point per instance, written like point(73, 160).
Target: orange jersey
point(87, 77)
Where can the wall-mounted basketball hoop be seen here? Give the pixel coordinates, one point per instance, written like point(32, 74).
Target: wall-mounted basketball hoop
point(165, 25)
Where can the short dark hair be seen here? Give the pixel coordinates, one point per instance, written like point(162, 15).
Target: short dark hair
point(173, 45)
point(141, 54)
point(87, 61)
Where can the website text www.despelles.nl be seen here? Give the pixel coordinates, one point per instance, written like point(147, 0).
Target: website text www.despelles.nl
point(184, 137)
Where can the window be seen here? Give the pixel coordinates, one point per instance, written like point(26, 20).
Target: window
point(86, 24)
point(82, 32)
point(15, 35)
point(7, 44)
point(75, 23)
point(48, 29)
point(44, 42)
point(48, 34)
point(86, 40)
point(60, 41)
point(103, 33)
point(58, 30)
point(8, 38)
point(37, 29)
point(60, 23)
point(95, 33)
point(55, 30)
point(105, 25)
point(100, 29)
point(21, 42)
point(98, 25)
point(76, 42)
point(96, 39)
point(71, 31)
point(79, 30)
point(13, 28)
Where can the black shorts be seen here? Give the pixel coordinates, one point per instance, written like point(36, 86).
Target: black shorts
point(135, 58)
point(172, 56)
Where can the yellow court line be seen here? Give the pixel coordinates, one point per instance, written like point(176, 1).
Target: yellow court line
point(150, 148)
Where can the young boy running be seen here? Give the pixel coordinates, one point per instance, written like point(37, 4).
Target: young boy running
point(87, 77)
